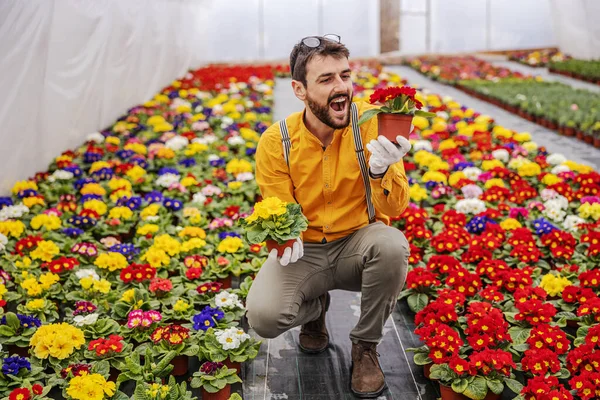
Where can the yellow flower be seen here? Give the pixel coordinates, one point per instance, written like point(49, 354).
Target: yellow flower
point(121, 212)
point(509, 224)
point(146, 229)
point(522, 137)
point(98, 165)
point(168, 244)
point(113, 140)
point(86, 282)
point(237, 166)
point(25, 263)
point(48, 279)
point(439, 165)
point(127, 296)
point(136, 172)
point(530, 146)
point(102, 286)
point(19, 186)
point(447, 144)
point(163, 127)
point(12, 228)
point(150, 211)
point(32, 286)
point(230, 245)
point(274, 206)
point(420, 122)
point(550, 179)
point(455, 177)
point(50, 222)
point(192, 231)
point(136, 148)
point(32, 201)
point(111, 261)
point(3, 290)
point(433, 176)
point(90, 387)
point(249, 134)
point(93, 188)
point(588, 210)
point(119, 183)
point(494, 182)
point(45, 251)
point(554, 285)
point(166, 153)
point(195, 148)
point(573, 166)
point(56, 340)
point(36, 304)
point(195, 243)
point(417, 193)
point(96, 205)
point(189, 181)
point(487, 165)
point(500, 131)
point(529, 169)
point(156, 257)
point(181, 306)
point(234, 185)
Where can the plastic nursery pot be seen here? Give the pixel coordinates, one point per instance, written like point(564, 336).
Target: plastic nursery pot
point(393, 125)
point(180, 364)
point(222, 394)
point(272, 244)
point(448, 394)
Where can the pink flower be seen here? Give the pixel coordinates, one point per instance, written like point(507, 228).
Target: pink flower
point(154, 315)
point(590, 199)
point(53, 211)
point(518, 211)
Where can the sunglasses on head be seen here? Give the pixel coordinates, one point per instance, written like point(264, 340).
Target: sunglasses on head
point(315, 41)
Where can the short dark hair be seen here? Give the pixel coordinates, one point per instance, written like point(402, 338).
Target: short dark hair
point(302, 54)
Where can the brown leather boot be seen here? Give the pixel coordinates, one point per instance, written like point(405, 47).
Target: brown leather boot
point(368, 380)
point(314, 337)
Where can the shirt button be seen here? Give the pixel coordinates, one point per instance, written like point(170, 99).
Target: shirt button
point(326, 185)
point(324, 241)
point(325, 158)
point(328, 202)
point(326, 226)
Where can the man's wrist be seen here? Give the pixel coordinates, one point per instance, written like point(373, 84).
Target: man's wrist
point(377, 176)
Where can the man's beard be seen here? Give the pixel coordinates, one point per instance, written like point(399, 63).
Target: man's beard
point(323, 112)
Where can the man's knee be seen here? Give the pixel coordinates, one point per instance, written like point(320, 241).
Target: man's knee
point(392, 250)
point(266, 319)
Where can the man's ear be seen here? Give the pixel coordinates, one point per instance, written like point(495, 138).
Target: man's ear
point(299, 90)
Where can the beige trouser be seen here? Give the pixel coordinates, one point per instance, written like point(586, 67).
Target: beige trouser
point(372, 260)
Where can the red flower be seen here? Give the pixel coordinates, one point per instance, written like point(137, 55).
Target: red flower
point(459, 366)
point(193, 273)
point(37, 388)
point(539, 362)
point(160, 285)
point(20, 394)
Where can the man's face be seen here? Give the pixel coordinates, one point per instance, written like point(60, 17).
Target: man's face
point(329, 90)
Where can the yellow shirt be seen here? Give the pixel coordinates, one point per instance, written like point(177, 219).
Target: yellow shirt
point(327, 183)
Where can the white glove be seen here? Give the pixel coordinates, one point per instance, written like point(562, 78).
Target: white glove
point(385, 153)
point(290, 255)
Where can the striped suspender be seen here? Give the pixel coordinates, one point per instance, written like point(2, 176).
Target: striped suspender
point(360, 155)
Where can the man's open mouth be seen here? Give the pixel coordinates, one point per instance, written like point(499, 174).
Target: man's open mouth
point(339, 105)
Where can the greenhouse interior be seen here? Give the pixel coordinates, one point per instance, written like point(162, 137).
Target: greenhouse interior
point(300, 199)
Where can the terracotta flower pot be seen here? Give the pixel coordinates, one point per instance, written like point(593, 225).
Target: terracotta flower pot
point(226, 282)
point(222, 394)
point(427, 371)
point(181, 365)
point(272, 244)
point(569, 131)
point(392, 125)
point(597, 142)
point(448, 394)
point(234, 365)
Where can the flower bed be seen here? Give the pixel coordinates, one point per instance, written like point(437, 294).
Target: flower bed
point(585, 70)
point(537, 58)
point(118, 261)
point(505, 248)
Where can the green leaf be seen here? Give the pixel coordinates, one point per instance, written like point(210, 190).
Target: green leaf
point(13, 321)
point(563, 373)
point(367, 115)
point(425, 114)
point(7, 331)
point(521, 347)
point(519, 335)
point(495, 386)
point(460, 385)
point(422, 359)
point(477, 389)
point(417, 302)
point(514, 385)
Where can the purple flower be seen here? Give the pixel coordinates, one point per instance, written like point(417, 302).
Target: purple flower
point(210, 367)
point(203, 321)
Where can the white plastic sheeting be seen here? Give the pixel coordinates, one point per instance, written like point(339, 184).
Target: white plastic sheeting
point(71, 67)
point(577, 28)
point(441, 26)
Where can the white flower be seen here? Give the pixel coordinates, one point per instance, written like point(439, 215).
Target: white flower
point(422, 145)
point(470, 206)
point(84, 273)
point(501, 154)
point(60, 175)
point(177, 143)
point(471, 191)
point(90, 319)
point(200, 126)
point(211, 190)
point(560, 168)
point(229, 340)
point(472, 173)
point(570, 223)
point(548, 194)
point(95, 137)
point(242, 335)
point(13, 212)
point(199, 198)
point(556, 159)
point(213, 157)
point(225, 299)
point(236, 141)
point(226, 122)
point(555, 214)
point(559, 202)
point(3, 241)
point(443, 114)
point(166, 180)
point(244, 176)
point(152, 218)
